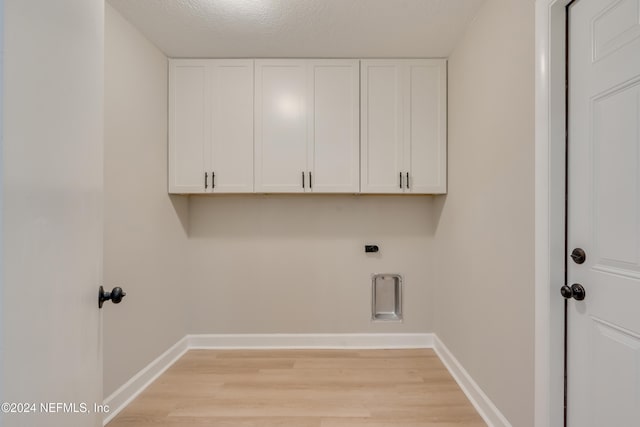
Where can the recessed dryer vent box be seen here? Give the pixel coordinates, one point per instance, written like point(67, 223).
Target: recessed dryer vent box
point(386, 297)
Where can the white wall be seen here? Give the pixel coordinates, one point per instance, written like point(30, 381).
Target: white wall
point(485, 291)
point(296, 264)
point(145, 229)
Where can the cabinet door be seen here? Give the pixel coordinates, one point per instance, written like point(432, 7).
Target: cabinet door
point(425, 156)
point(334, 151)
point(189, 120)
point(280, 126)
point(381, 126)
point(231, 126)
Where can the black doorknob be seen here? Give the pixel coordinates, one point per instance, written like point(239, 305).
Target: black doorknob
point(115, 295)
point(578, 255)
point(576, 291)
point(566, 291)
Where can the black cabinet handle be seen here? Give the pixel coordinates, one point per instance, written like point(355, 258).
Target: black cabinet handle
point(302, 179)
point(213, 180)
point(205, 180)
point(408, 180)
point(310, 182)
point(400, 179)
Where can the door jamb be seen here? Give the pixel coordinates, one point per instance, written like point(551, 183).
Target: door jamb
point(550, 186)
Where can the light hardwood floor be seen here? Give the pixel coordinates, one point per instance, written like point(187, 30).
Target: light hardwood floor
point(303, 388)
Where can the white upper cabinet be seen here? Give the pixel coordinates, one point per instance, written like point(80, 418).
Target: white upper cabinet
point(403, 123)
point(232, 126)
point(381, 111)
point(188, 125)
point(281, 126)
point(307, 133)
point(425, 155)
point(334, 131)
point(210, 126)
point(307, 125)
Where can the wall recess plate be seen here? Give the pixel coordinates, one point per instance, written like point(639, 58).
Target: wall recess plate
point(386, 297)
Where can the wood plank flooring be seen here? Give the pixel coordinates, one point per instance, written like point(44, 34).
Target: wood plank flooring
point(303, 388)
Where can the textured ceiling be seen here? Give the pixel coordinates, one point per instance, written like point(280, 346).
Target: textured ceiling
point(301, 28)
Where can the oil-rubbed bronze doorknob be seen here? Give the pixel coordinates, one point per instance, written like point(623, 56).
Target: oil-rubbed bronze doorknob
point(576, 291)
point(115, 295)
point(566, 291)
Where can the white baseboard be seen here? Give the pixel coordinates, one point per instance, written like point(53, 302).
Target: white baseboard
point(485, 407)
point(317, 341)
point(120, 398)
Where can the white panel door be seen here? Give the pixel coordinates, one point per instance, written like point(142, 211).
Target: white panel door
point(604, 213)
point(189, 127)
point(334, 134)
point(52, 165)
point(425, 126)
point(281, 126)
point(381, 126)
point(231, 126)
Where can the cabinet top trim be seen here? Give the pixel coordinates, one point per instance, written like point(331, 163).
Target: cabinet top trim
point(306, 59)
